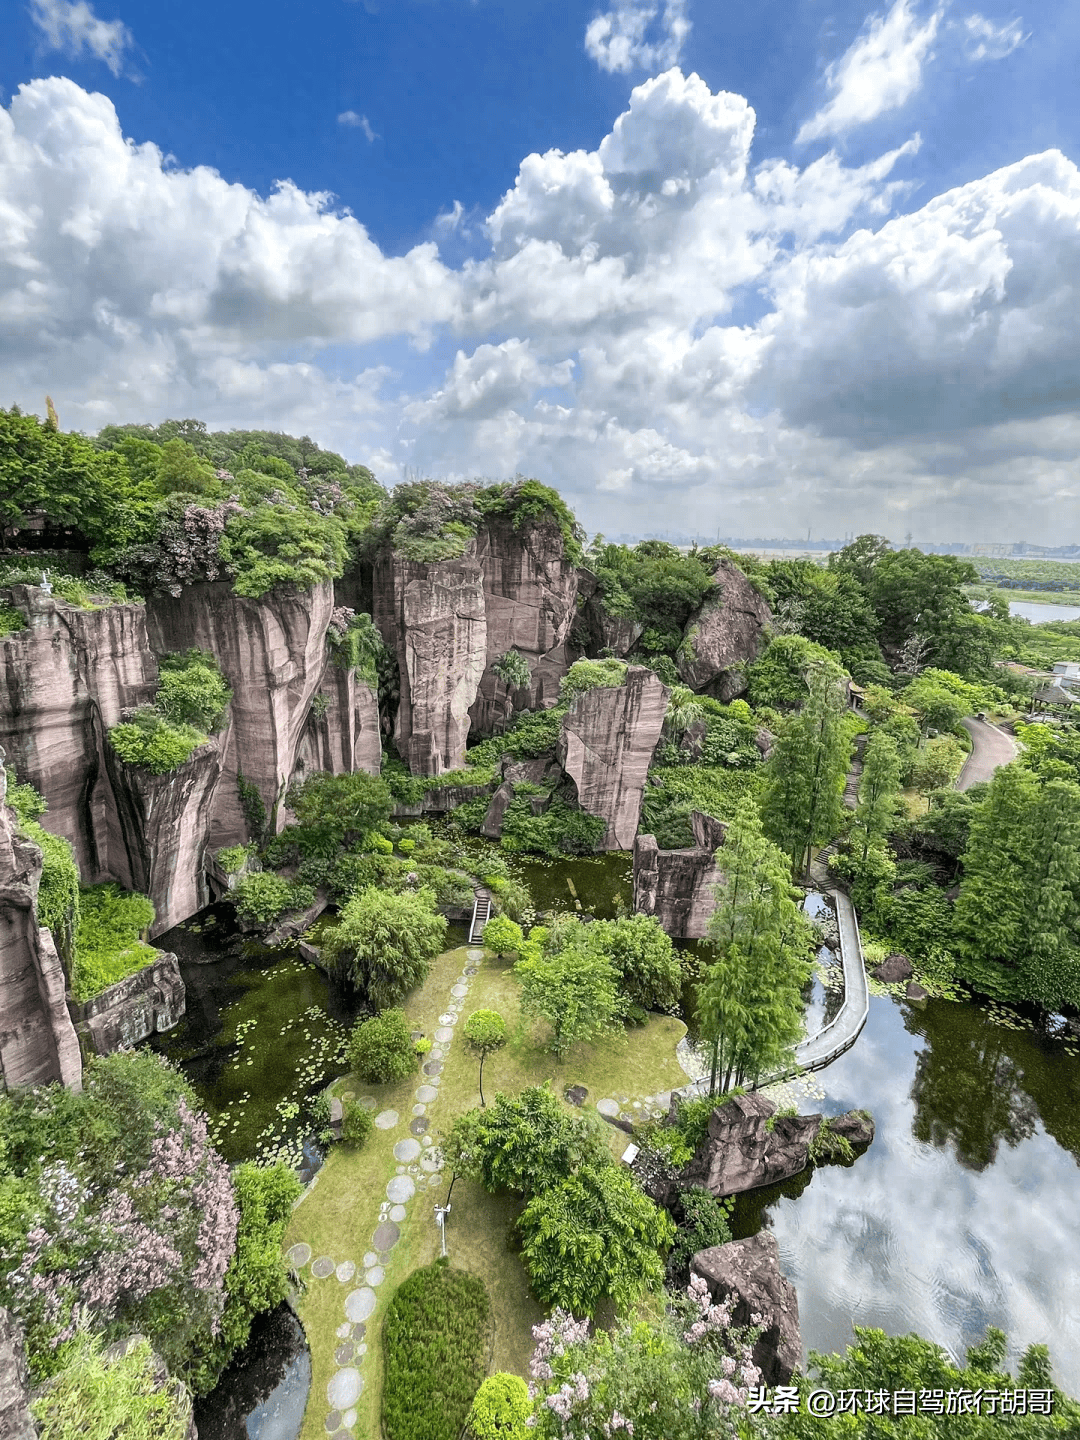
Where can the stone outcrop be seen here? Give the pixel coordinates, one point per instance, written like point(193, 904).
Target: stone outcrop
point(677, 885)
point(601, 632)
point(605, 745)
point(748, 1273)
point(434, 618)
point(345, 736)
point(64, 681)
point(140, 1005)
point(530, 589)
point(893, 969)
point(728, 631)
point(742, 1153)
point(491, 829)
point(16, 1422)
point(37, 1041)
point(272, 651)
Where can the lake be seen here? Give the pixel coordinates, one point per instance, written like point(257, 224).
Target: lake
point(1039, 613)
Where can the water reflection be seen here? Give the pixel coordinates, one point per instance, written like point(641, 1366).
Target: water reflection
point(263, 1393)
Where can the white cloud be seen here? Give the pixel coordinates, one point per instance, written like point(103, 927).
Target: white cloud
point(881, 71)
point(73, 27)
point(657, 320)
point(638, 36)
point(983, 40)
point(357, 122)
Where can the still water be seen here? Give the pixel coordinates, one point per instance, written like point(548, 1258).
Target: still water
point(1039, 613)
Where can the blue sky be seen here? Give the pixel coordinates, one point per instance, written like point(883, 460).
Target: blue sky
point(748, 300)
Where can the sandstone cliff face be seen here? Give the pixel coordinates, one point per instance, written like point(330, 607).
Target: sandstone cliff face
point(272, 651)
point(37, 1041)
point(346, 737)
point(606, 634)
point(677, 885)
point(16, 1422)
point(64, 682)
point(728, 632)
point(434, 618)
point(530, 588)
point(133, 1009)
point(605, 745)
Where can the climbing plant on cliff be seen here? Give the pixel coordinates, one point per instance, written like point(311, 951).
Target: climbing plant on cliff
point(58, 892)
point(192, 690)
point(149, 740)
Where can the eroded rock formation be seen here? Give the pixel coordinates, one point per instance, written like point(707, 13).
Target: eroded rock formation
point(345, 736)
point(141, 1005)
point(37, 1041)
point(748, 1273)
point(728, 631)
point(605, 745)
point(16, 1422)
point(677, 885)
point(434, 618)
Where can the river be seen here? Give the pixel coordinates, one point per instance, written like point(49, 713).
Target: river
point(1040, 614)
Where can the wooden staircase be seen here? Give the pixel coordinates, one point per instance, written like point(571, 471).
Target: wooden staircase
point(480, 916)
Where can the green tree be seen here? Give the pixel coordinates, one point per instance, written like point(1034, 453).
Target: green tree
point(879, 793)
point(592, 1236)
point(802, 804)
point(384, 944)
point(749, 1002)
point(485, 1030)
point(644, 958)
point(513, 670)
point(503, 936)
point(181, 470)
point(575, 990)
point(684, 709)
point(380, 1049)
point(937, 763)
point(192, 691)
point(780, 676)
point(523, 1143)
point(500, 1409)
point(335, 811)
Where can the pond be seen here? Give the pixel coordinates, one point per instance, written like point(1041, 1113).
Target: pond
point(962, 1213)
point(1039, 613)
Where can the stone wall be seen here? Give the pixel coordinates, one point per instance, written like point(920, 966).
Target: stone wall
point(141, 1005)
point(16, 1422)
point(677, 885)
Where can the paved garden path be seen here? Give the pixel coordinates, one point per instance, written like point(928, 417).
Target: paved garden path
point(990, 749)
point(417, 1166)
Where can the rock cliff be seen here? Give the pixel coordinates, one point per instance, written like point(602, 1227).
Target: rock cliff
point(141, 1005)
point(601, 632)
point(37, 1041)
point(677, 885)
point(605, 745)
point(728, 631)
point(16, 1422)
point(434, 619)
point(345, 736)
point(747, 1272)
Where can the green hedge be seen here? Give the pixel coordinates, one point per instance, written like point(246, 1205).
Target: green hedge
point(193, 690)
point(435, 1339)
point(107, 943)
point(263, 896)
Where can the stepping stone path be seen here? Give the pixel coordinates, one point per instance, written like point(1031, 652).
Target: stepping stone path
point(419, 1164)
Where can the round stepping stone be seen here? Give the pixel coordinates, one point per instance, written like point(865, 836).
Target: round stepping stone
point(385, 1237)
point(427, 1140)
point(343, 1331)
point(386, 1119)
point(359, 1305)
point(345, 1387)
point(610, 1108)
point(333, 1421)
point(431, 1160)
point(459, 991)
point(323, 1268)
point(398, 1213)
point(419, 1125)
point(400, 1189)
point(637, 1104)
point(368, 1102)
point(437, 1053)
point(375, 1275)
point(406, 1150)
point(427, 1093)
point(361, 1349)
point(434, 1182)
point(475, 956)
point(344, 1353)
point(444, 1034)
point(350, 1419)
point(419, 1109)
point(471, 970)
point(358, 1333)
point(298, 1256)
point(433, 1067)
point(370, 1259)
point(345, 1271)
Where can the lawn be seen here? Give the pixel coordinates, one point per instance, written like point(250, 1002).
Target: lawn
point(340, 1211)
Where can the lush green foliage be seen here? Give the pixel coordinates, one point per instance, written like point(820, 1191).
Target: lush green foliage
point(714, 790)
point(585, 675)
point(500, 1409)
point(381, 1048)
point(485, 1031)
point(58, 892)
point(435, 1338)
point(749, 1002)
point(11, 620)
point(828, 607)
point(879, 793)
point(570, 985)
point(232, 858)
point(149, 740)
point(251, 803)
point(261, 897)
point(384, 944)
point(594, 1235)
point(523, 1143)
point(108, 947)
point(503, 936)
point(335, 811)
point(656, 584)
point(560, 830)
point(513, 670)
point(705, 1222)
point(357, 644)
point(193, 691)
point(428, 521)
point(94, 1398)
point(781, 676)
point(804, 785)
point(644, 958)
point(1011, 574)
point(357, 1123)
point(936, 764)
point(533, 733)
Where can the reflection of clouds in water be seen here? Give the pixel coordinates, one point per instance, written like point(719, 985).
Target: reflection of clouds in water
point(908, 1239)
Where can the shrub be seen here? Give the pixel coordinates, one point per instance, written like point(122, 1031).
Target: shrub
point(98, 1399)
point(503, 936)
point(501, 1408)
point(11, 620)
point(705, 1223)
point(150, 740)
point(232, 858)
point(513, 670)
point(384, 943)
point(193, 691)
point(532, 734)
point(107, 943)
point(357, 1123)
point(380, 1049)
point(283, 543)
point(335, 811)
point(561, 830)
point(356, 643)
point(524, 1143)
point(586, 675)
point(435, 1339)
point(263, 896)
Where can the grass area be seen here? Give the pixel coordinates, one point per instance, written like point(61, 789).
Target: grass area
point(340, 1212)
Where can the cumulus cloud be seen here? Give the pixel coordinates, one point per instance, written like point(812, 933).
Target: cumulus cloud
point(357, 122)
point(879, 72)
point(636, 36)
point(983, 40)
point(73, 28)
point(659, 319)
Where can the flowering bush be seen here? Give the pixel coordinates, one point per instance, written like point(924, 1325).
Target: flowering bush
point(185, 549)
